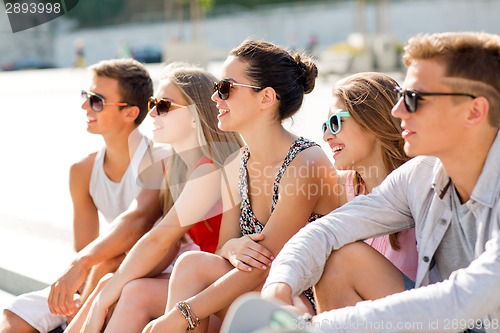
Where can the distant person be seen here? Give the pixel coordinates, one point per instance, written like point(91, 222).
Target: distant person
point(103, 182)
point(123, 50)
point(449, 108)
point(312, 43)
point(79, 53)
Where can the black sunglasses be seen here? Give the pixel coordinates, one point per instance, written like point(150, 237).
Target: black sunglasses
point(411, 97)
point(162, 105)
point(334, 122)
point(223, 87)
point(96, 102)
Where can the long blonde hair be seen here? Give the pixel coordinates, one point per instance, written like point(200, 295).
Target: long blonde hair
point(196, 85)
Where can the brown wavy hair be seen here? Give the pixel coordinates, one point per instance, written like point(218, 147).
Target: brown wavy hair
point(369, 98)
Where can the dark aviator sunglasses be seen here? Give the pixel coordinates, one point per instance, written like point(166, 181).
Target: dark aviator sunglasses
point(223, 87)
point(162, 105)
point(96, 102)
point(411, 97)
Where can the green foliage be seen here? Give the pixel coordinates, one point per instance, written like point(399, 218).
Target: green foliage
point(91, 13)
point(205, 4)
point(255, 3)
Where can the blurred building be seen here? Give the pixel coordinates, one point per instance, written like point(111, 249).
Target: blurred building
point(376, 28)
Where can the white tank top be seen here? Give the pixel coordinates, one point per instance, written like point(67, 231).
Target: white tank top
point(112, 198)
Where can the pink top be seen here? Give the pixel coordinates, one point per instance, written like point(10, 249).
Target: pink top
point(405, 259)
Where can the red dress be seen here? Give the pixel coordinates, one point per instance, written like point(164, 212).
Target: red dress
point(206, 232)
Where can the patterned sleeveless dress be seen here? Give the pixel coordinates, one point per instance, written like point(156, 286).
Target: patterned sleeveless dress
point(248, 222)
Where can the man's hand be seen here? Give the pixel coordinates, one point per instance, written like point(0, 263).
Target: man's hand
point(245, 253)
point(61, 297)
point(278, 291)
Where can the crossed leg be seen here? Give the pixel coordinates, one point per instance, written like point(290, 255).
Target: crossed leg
point(354, 273)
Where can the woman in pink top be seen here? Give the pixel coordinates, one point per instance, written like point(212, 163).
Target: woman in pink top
point(367, 145)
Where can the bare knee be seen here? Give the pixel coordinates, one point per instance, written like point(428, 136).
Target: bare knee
point(356, 272)
point(336, 288)
point(12, 323)
point(191, 259)
point(196, 266)
point(133, 294)
point(340, 263)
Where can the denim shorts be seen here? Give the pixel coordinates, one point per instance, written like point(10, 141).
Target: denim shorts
point(409, 283)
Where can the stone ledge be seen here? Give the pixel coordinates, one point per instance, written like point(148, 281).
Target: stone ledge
point(34, 254)
point(17, 284)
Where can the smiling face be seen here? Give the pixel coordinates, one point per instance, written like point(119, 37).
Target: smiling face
point(236, 112)
point(436, 127)
point(177, 125)
point(352, 147)
point(111, 119)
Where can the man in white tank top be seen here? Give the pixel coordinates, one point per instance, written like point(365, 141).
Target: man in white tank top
point(105, 181)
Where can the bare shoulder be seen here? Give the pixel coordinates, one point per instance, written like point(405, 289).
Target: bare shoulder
point(314, 159)
point(312, 171)
point(83, 168)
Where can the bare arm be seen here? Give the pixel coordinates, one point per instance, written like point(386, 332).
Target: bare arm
point(198, 197)
point(124, 232)
point(85, 217)
point(231, 200)
point(293, 209)
point(243, 252)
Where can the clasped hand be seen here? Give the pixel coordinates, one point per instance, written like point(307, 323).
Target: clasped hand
point(245, 253)
point(97, 315)
point(61, 298)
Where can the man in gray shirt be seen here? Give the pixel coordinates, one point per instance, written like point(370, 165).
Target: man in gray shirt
point(450, 115)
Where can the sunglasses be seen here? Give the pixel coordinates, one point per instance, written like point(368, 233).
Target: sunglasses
point(96, 102)
point(162, 105)
point(223, 87)
point(411, 97)
point(334, 122)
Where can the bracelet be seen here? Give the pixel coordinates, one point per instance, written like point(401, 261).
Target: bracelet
point(306, 318)
point(185, 310)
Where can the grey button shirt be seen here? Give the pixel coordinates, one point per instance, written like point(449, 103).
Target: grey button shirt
point(416, 194)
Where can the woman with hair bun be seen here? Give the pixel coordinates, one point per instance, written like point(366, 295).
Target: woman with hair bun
point(279, 183)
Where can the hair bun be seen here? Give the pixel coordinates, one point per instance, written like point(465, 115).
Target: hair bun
point(308, 72)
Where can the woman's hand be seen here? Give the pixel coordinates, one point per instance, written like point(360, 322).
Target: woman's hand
point(98, 311)
point(172, 321)
point(245, 253)
point(96, 317)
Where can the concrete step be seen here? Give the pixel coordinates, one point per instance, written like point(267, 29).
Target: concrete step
point(5, 298)
point(32, 254)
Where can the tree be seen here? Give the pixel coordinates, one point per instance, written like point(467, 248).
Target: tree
point(197, 10)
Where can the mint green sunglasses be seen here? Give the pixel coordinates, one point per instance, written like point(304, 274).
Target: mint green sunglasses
point(334, 123)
